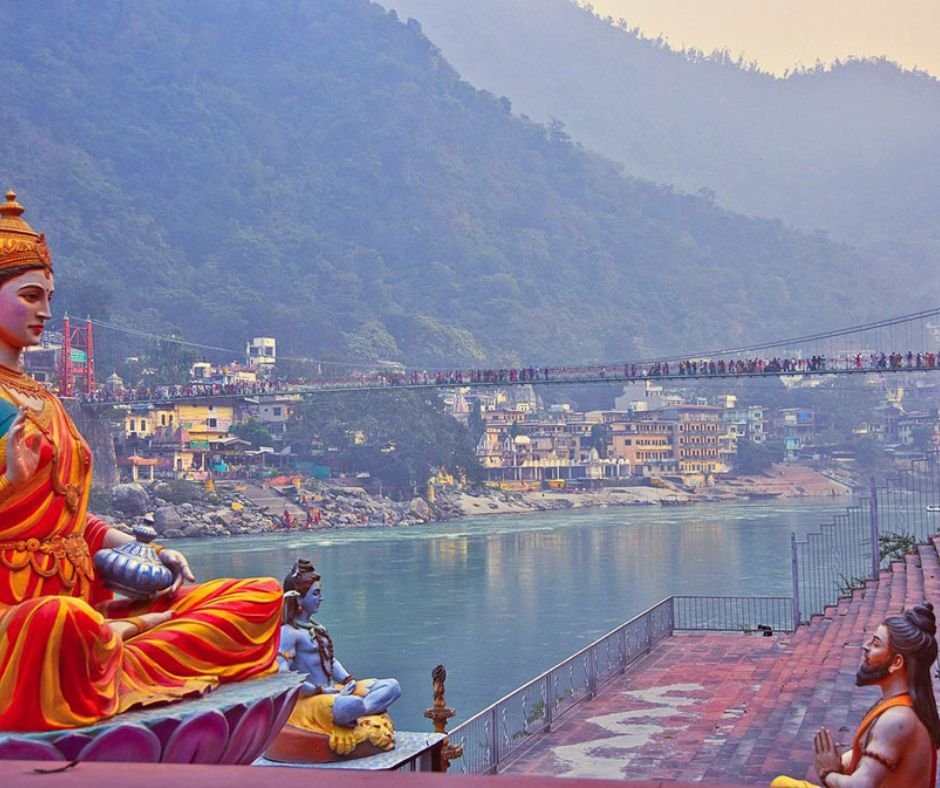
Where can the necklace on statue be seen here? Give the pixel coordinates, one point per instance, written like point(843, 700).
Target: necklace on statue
point(320, 636)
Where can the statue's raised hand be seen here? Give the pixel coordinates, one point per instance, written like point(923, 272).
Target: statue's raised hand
point(22, 455)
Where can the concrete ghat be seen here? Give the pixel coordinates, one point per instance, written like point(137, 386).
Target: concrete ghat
point(609, 757)
point(667, 718)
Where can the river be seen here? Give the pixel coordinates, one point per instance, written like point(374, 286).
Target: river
point(497, 600)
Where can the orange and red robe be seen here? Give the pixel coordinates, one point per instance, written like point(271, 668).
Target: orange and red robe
point(61, 666)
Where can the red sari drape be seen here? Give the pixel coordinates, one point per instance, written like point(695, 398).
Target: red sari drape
point(61, 666)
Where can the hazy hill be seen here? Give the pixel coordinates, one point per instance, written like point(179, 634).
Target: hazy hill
point(318, 172)
point(852, 150)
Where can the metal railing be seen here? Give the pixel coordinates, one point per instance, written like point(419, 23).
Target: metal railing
point(737, 613)
point(846, 552)
point(492, 736)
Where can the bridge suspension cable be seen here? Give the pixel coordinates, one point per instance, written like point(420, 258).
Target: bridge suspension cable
point(821, 335)
point(169, 338)
point(801, 341)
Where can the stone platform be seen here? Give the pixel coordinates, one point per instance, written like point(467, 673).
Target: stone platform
point(725, 708)
point(413, 751)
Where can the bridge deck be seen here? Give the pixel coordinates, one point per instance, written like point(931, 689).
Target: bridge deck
point(555, 378)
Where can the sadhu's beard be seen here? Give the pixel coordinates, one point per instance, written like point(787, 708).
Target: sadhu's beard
point(867, 675)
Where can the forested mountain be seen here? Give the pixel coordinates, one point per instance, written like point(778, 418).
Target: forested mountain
point(316, 171)
point(850, 149)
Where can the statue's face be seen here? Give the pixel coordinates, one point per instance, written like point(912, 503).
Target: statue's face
point(25, 308)
point(310, 602)
point(877, 657)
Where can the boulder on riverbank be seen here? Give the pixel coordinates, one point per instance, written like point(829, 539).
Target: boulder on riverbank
point(185, 510)
point(130, 499)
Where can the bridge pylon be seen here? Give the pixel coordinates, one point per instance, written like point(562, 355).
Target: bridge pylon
point(77, 370)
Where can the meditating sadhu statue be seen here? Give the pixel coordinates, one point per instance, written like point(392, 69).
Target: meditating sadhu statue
point(70, 654)
point(336, 714)
point(895, 744)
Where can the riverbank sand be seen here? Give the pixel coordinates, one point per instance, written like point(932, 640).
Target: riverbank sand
point(785, 480)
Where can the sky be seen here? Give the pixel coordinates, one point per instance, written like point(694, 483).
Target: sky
point(780, 34)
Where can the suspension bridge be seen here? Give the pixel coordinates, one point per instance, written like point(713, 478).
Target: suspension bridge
point(903, 344)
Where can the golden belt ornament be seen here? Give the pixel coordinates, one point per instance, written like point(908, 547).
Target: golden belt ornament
point(71, 549)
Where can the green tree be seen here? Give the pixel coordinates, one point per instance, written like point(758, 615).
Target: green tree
point(172, 361)
point(400, 437)
point(598, 438)
point(398, 208)
point(254, 432)
point(475, 423)
point(757, 457)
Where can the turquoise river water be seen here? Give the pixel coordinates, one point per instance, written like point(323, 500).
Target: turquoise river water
point(498, 600)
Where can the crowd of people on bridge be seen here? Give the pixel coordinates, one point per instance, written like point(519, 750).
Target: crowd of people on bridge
point(692, 368)
point(239, 388)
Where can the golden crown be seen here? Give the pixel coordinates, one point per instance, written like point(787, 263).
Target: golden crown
point(19, 243)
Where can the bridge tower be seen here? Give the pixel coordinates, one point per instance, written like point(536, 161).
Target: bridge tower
point(77, 370)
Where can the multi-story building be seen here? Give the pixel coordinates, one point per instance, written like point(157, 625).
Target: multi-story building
point(261, 353)
point(272, 411)
point(646, 446)
point(701, 445)
point(684, 440)
point(744, 423)
point(183, 436)
point(797, 428)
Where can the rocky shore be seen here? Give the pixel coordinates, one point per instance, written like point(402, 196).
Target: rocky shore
point(237, 509)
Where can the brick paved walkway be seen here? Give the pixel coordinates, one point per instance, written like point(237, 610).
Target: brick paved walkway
point(731, 707)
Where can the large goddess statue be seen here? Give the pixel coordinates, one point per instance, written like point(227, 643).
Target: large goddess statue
point(70, 655)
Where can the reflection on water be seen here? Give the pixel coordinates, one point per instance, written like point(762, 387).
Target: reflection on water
point(499, 600)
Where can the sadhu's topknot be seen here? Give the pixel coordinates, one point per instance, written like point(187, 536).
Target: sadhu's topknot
point(922, 617)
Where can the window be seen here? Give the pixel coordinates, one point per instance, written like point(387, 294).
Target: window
point(276, 411)
point(212, 423)
point(162, 419)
